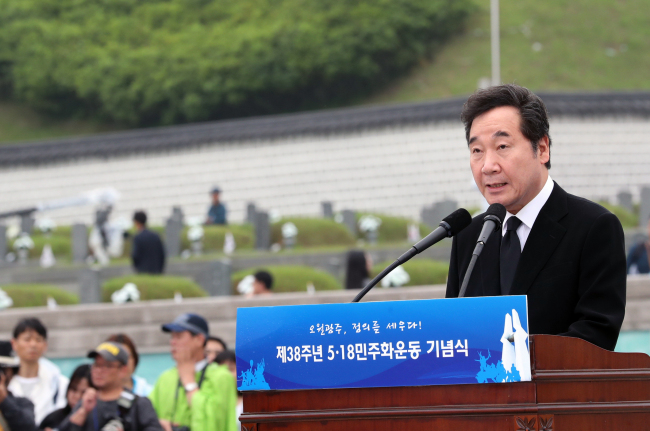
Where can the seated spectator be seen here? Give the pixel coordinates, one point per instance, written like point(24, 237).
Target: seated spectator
point(359, 265)
point(194, 394)
point(217, 211)
point(38, 379)
point(638, 259)
point(16, 413)
point(110, 403)
point(135, 384)
point(229, 359)
point(263, 283)
point(79, 382)
point(148, 254)
point(213, 347)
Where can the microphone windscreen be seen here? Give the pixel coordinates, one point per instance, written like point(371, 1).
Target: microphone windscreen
point(458, 220)
point(497, 210)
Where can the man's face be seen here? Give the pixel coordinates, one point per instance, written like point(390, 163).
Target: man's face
point(212, 349)
point(215, 198)
point(107, 374)
point(259, 287)
point(29, 346)
point(505, 168)
point(185, 341)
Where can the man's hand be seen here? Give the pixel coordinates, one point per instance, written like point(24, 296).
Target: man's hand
point(186, 371)
point(185, 365)
point(89, 400)
point(88, 403)
point(166, 425)
point(3, 387)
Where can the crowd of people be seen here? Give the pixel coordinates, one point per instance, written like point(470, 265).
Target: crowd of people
point(199, 393)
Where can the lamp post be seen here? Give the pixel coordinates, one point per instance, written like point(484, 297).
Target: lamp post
point(496, 53)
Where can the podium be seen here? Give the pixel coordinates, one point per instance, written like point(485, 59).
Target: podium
point(575, 386)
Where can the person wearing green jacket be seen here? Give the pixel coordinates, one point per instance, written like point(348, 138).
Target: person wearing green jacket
point(194, 394)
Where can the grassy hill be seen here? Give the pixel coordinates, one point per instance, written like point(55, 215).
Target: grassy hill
point(564, 45)
point(20, 123)
point(545, 45)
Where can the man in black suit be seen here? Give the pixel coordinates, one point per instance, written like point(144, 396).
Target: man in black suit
point(148, 253)
point(565, 253)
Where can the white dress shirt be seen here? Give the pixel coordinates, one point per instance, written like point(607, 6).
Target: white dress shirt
point(529, 213)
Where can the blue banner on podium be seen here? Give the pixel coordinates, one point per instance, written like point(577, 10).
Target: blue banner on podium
point(375, 344)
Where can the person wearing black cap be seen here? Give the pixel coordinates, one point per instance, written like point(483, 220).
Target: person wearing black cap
point(194, 395)
point(148, 254)
point(110, 406)
point(16, 413)
point(217, 211)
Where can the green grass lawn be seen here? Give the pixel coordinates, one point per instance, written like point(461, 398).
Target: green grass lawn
point(20, 123)
point(585, 45)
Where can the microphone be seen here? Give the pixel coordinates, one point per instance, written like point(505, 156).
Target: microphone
point(449, 226)
point(491, 222)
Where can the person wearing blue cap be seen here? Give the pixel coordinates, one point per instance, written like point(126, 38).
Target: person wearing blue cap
point(217, 211)
point(195, 394)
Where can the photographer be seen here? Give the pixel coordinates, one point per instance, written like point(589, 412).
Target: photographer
point(16, 413)
point(110, 407)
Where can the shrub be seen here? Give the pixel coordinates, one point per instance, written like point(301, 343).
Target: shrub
point(627, 219)
point(292, 278)
point(393, 229)
point(422, 271)
point(314, 232)
point(61, 246)
point(154, 287)
point(35, 295)
point(168, 61)
point(214, 236)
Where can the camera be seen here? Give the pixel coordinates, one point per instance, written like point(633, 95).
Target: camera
point(113, 425)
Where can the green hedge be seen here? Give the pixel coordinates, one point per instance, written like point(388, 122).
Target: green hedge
point(393, 229)
point(214, 236)
point(61, 246)
point(292, 278)
point(422, 271)
point(168, 61)
point(35, 295)
point(627, 218)
point(154, 287)
point(314, 232)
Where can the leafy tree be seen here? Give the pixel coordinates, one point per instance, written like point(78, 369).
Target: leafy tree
point(145, 62)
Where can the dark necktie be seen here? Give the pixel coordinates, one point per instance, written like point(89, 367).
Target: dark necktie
point(510, 254)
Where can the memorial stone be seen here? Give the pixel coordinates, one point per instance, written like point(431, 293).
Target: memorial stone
point(177, 215)
point(27, 223)
point(173, 230)
point(645, 206)
point(3, 242)
point(262, 231)
point(79, 242)
point(625, 200)
point(250, 213)
point(90, 287)
point(350, 220)
point(328, 209)
point(216, 278)
point(432, 216)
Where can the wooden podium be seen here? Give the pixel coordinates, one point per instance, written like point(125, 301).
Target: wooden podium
point(575, 386)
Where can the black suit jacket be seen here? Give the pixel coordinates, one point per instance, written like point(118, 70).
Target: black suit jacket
point(572, 269)
point(148, 253)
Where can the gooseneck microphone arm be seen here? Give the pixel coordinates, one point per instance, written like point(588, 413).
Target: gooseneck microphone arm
point(450, 226)
point(491, 223)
